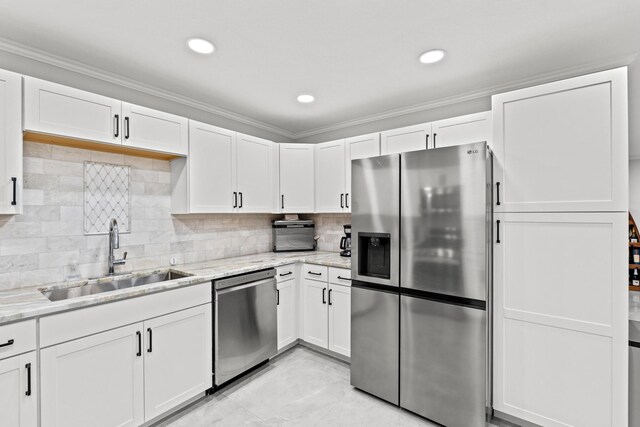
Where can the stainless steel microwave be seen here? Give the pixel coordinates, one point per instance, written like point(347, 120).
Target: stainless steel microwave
point(293, 236)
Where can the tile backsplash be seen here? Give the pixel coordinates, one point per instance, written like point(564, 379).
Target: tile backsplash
point(37, 246)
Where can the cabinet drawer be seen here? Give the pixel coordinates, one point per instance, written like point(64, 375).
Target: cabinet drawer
point(340, 276)
point(285, 272)
point(17, 338)
point(315, 272)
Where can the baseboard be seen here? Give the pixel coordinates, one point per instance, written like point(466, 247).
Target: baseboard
point(325, 351)
point(513, 420)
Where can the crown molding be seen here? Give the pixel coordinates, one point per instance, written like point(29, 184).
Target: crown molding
point(28, 52)
point(468, 96)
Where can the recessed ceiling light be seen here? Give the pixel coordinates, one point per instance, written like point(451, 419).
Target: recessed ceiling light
point(305, 99)
point(202, 46)
point(432, 56)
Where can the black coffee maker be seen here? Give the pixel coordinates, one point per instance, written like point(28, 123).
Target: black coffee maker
point(345, 242)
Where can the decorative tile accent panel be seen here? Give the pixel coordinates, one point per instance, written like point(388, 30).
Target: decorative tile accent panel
point(106, 196)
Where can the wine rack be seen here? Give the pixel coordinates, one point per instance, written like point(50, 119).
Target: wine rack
point(634, 255)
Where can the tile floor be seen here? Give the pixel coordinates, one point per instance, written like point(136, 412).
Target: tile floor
point(298, 388)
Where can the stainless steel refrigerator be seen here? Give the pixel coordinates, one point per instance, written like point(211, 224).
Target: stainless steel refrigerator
point(421, 281)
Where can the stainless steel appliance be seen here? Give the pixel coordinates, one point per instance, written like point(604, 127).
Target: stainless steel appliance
point(345, 242)
point(298, 235)
point(634, 373)
point(245, 323)
point(421, 281)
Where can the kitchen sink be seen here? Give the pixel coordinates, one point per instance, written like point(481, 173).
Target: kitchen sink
point(98, 286)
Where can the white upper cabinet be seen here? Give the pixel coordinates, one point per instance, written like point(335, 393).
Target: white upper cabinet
point(255, 174)
point(296, 178)
point(410, 138)
point(462, 130)
point(359, 147)
point(55, 109)
point(330, 176)
point(154, 130)
point(563, 146)
point(10, 143)
point(211, 169)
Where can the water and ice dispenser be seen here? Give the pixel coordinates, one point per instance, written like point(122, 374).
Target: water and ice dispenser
point(374, 259)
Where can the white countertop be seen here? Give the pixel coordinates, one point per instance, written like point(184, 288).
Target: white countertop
point(25, 303)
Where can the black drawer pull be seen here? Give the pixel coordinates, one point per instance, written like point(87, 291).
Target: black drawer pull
point(139, 334)
point(286, 274)
point(314, 273)
point(324, 300)
point(278, 296)
point(8, 343)
point(117, 126)
point(498, 193)
point(343, 278)
point(14, 182)
point(28, 367)
point(150, 349)
point(498, 231)
point(330, 290)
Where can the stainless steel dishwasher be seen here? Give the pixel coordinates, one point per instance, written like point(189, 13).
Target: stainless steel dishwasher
point(245, 323)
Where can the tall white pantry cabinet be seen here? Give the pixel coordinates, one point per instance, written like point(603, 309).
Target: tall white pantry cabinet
point(560, 232)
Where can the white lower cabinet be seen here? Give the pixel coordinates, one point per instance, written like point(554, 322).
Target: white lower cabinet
point(327, 312)
point(94, 381)
point(18, 391)
point(287, 313)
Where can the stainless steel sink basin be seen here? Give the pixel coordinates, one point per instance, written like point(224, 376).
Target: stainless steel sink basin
point(98, 286)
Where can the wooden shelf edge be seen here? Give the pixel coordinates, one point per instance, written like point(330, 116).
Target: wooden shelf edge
point(95, 146)
point(634, 288)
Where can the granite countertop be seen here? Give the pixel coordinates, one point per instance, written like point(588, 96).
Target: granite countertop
point(25, 303)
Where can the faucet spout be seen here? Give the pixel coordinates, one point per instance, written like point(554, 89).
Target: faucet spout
point(114, 243)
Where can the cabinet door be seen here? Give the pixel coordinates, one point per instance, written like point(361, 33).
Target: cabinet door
point(560, 318)
point(315, 312)
point(359, 147)
point(562, 146)
point(462, 130)
point(254, 174)
point(212, 169)
point(178, 356)
point(296, 178)
point(94, 381)
point(61, 110)
point(287, 313)
point(330, 174)
point(154, 130)
point(10, 143)
point(340, 319)
point(410, 138)
point(18, 391)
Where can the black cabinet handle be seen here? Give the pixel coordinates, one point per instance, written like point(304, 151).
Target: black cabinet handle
point(314, 273)
point(434, 140)
point(150, 349)
point(347, 200)
point(240, 194)
point(498, 193)
point(139, 334)
point(235, 199)
point(282, 201)
point(14, 182)
point(427, 141)
point(343, 278)
point(28, 367)
point(324, 300)
point(278, 296)
point(342, 200)
point(116, 118)
point(498, 231)
point(8, 343)
point(330, 290)
point(126, 128)
point(286, 274)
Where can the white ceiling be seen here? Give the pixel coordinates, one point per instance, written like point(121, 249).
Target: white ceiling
point(358, 57)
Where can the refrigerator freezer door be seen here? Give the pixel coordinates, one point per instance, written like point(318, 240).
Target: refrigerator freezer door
point(443, 362)
point(375, 211)
point(445, 199)
point(375, 342)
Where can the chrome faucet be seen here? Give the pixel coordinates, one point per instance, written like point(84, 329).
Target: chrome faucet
point(114, 243)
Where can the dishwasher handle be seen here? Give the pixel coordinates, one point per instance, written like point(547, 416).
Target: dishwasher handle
point(223, 291)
